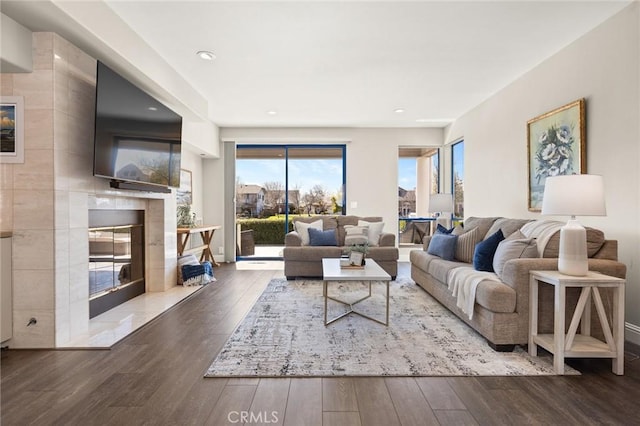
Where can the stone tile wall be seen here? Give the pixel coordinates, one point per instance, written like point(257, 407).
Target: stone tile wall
point(45, 200)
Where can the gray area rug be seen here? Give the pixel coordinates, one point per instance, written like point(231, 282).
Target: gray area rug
point(284, 336)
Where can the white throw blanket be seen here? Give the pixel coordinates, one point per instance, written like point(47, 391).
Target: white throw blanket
point(542, 231)
point(463, 282)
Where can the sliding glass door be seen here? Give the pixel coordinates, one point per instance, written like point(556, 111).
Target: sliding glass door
point(276, 182)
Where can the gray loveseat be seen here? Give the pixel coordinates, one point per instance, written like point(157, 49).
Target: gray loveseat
point(306, 261)
point(501, 308)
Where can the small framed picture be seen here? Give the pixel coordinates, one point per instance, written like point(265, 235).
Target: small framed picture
point(355, 258)
point(11, 129)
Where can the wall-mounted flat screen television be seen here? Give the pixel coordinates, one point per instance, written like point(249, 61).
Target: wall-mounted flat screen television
point(137, 138)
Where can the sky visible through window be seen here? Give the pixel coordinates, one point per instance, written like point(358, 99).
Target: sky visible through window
point(303, 174)
point(407, 173)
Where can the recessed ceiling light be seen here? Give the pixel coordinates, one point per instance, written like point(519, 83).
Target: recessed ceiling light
point(206, 55)
point(272, 112)
point(398, 110)
point(152, 109)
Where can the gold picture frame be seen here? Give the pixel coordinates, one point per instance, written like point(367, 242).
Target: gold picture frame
point(556, 145)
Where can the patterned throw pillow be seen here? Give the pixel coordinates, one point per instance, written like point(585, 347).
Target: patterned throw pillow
point(187, 259)
point(373, 232)
point(356, 235)
point(466, 245)
point(197, 274)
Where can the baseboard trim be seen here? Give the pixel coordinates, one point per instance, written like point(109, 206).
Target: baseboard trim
point(632, 333)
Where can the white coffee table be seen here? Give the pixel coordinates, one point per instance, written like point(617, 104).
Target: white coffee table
point(372, 272)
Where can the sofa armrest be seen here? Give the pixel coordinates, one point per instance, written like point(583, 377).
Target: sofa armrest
point(292, 239)
point(387, 240)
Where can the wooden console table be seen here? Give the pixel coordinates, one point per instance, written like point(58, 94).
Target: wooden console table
point(206, 233)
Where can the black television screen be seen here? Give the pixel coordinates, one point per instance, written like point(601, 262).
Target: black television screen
point(137, 138)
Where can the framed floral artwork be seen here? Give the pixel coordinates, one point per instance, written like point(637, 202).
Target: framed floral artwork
point(556, 144)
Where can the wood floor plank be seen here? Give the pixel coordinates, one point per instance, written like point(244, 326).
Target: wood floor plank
point(410, 405)
point(195, 407)
point(455, 418)
point(270, 401)
point(439, 393)
point(480, 402)
point(232, 405)
point(339, 394)
point(342, 418)
point(374, 402)
point(304, 403)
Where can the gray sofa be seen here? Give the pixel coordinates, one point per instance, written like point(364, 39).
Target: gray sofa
point(501, 309)
point(306, 261)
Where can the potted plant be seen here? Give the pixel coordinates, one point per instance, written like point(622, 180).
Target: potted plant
point(185, 218)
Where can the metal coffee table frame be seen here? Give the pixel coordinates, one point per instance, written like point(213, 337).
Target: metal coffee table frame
point(372, 272)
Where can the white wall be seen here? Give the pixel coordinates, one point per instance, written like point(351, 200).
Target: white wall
point(193, 162)
point(601, 67)
point(372, 165)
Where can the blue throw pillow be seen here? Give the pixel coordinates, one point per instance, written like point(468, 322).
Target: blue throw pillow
point(484, 252)
point(443, 245)
point(442, 230)
point(322, 238)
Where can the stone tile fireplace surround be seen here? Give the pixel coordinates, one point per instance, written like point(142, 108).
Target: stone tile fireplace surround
point(44, 202)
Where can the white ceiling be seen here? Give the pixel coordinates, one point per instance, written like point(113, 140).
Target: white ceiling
point(352, 63)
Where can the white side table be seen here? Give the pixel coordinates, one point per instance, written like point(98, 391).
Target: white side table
point(582, 345)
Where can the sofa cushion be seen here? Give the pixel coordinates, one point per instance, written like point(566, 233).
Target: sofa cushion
point(421, 259)
point(466, 244)
point(302, 228)
point(515, 246)
point(443, 245)
point(374, 229)
point(507, 226)
point(322, 238)
point(310, 253)
point(485, 250)
point(439, 268)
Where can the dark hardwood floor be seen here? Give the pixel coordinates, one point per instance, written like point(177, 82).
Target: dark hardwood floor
point(155, 377)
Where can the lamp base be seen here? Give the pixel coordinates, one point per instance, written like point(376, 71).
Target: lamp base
point(572, 259)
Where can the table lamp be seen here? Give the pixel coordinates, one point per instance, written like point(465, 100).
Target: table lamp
point(441, 203)
point(573, 195)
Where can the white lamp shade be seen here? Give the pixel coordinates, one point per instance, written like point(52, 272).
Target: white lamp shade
point(574, 195)
point(439, 203)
